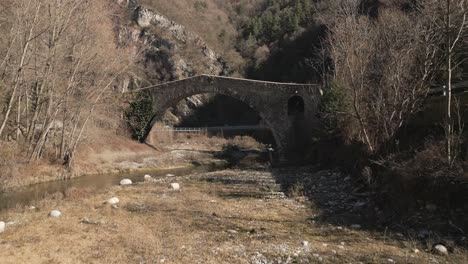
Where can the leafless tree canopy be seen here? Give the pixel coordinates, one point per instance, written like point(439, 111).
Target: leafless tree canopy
point(58, 61)
point(385, 65)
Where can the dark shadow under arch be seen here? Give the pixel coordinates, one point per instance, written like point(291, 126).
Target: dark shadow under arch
point(296, 106)
point(234, 96)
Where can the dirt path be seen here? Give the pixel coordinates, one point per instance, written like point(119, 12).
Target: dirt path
point(230, 216)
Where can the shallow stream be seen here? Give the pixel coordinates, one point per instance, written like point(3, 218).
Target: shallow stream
point(28, 195)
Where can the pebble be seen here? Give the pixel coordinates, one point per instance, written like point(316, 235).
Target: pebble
point(174, 186)
point(170, 175)
point(2, 227)
point(356, 226)
point(416, 251)
point(305, 243)
point(148, 177)
point(325, 245)
point(341, 247)
point(112, 201)
point(440, 250)
point(125, 182)
point(55, 213)
point(232, 231)
point(390, 260)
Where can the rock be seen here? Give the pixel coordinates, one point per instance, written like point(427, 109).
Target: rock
point(440, 250)
point(390, 260)
point(170, 175)
point(148, 177)
point(125, 182)
point(174, 186)
point(55, 213)
point(231, 231)
point(356, 226)
point(144, 17)
point(305, 243)
point(2, 227)
point(112, 201)
point(88, 221)
point(114, 206)
point(416, 251)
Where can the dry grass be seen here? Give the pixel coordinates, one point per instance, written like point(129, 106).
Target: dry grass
point(204, 223)
point(162, 137)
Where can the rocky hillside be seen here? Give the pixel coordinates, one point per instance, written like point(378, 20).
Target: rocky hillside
point(171, 50)
point(168, 36)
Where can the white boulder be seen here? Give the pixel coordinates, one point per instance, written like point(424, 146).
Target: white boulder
point(174, 186)
point(125, 182)
point(55, 213)
point(112, 201)
point(2, 227)
point(440, 250)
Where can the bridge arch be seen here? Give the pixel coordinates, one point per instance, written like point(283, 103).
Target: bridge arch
point(268, 99)
point(252, 104)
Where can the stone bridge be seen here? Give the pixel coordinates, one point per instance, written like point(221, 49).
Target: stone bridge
point(286, 108)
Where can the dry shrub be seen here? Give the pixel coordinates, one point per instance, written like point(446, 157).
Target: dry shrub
point(424, 175)
point(430, 161)
point(246, 142)
point(160, 135)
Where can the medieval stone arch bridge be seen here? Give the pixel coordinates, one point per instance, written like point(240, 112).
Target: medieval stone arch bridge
point(284, 107)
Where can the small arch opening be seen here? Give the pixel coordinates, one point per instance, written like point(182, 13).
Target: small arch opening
point(296, 106)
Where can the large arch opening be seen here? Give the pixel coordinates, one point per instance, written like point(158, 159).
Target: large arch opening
point(217, 115)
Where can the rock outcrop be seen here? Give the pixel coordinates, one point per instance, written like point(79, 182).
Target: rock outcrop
point(172, 52)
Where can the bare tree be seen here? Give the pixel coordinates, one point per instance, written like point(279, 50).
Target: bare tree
point(59, 62)
point(455, 32)
point(385, 66)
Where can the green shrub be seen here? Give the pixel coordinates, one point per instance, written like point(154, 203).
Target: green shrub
point(139, 114)
point(333, 110)
point(199, 5)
